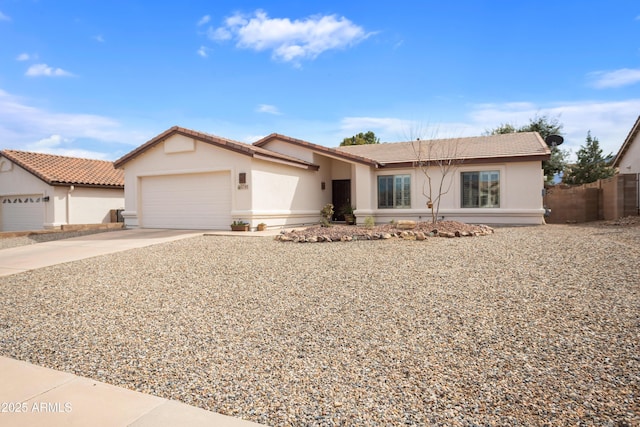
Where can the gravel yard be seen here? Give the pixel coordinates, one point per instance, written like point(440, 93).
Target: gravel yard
point(526, 326)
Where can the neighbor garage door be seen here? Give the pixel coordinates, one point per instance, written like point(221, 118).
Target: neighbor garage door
point(190, 201)
point(20, 213)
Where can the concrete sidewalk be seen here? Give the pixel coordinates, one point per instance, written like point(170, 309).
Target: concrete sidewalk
point(46, 397)
point(31, 395)
point(38, 255)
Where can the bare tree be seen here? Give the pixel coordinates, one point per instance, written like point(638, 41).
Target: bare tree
point(433, 155)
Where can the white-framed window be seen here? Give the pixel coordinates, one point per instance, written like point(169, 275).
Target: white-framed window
point(480, 189)
point(394, 191)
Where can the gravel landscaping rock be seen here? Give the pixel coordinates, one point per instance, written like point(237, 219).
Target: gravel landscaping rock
point(408, 230)
point(525, 326)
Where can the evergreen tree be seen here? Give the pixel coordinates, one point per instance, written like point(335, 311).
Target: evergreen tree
point(545, 126)
point(591, 165)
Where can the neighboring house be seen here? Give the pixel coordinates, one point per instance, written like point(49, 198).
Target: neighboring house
point(39, 191)
point(627, 161)
point(192, 180)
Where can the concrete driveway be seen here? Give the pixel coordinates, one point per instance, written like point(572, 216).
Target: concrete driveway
point(30, 257)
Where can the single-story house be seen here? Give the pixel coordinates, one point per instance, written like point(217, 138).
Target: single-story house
point(193, 180)
point(628, 158)
point(41, 191)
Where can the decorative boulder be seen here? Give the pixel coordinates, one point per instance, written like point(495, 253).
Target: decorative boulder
point(406, 225)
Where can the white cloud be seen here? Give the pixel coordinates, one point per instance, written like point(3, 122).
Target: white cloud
point(37, 70)
point(23, 57)
point(219, 34)
point(4, 17)
point(204, 20)
point(390, 129)
point(57, 144)
point(203, 51)
point(99, 38)
point(617, 78)
point(610, 122)
point(23, 126)
point(289, 41)
point(269, 109)
point(386, 125)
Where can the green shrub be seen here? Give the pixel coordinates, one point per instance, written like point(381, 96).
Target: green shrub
point(369, 222)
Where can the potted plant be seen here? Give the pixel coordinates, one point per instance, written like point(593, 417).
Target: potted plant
point(239, 225)
point(349, 217)
point(262, 226)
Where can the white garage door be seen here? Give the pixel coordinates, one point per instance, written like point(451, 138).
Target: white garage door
point(21, 213)
point(191, 201)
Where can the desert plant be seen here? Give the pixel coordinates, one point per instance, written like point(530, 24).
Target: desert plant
point(327, 212)
point(369, 222)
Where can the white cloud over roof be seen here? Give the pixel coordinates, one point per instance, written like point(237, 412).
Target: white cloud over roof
point(269, 109)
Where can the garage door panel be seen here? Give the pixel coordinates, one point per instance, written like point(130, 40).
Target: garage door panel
point(197, 201)
point(21, 213)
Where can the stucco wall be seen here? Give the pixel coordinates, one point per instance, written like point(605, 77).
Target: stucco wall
point(184, 155)
point(630, 163)
point(285, 195)
point(93, 205)
point(14, 180)
point(289, 149)
point(521, 187)
point(85, 206)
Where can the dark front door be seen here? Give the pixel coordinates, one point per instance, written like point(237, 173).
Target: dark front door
point(341, 196)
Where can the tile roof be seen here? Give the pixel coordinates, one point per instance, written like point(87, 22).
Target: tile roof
point(62, 170)
point(513, 146)
point(319, 148)
point(239, 147)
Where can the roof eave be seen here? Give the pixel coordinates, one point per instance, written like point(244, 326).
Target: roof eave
point(627, 143)
point(207, 139)
point(472, 161)
point(85, 185)
point(330, 152)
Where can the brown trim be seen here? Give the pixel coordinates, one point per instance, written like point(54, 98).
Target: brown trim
point(627, 143)
point(228, 144)
point(81, 185)
point(315, 147)
point(478, 161)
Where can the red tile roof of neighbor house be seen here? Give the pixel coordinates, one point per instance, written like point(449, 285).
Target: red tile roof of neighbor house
point(62, 170)
point(506, 147)
point(229, 144)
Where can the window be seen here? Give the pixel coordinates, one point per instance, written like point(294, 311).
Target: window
point(481, 189)
point(394, 191)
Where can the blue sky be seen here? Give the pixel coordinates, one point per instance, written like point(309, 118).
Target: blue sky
point(96, 79)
